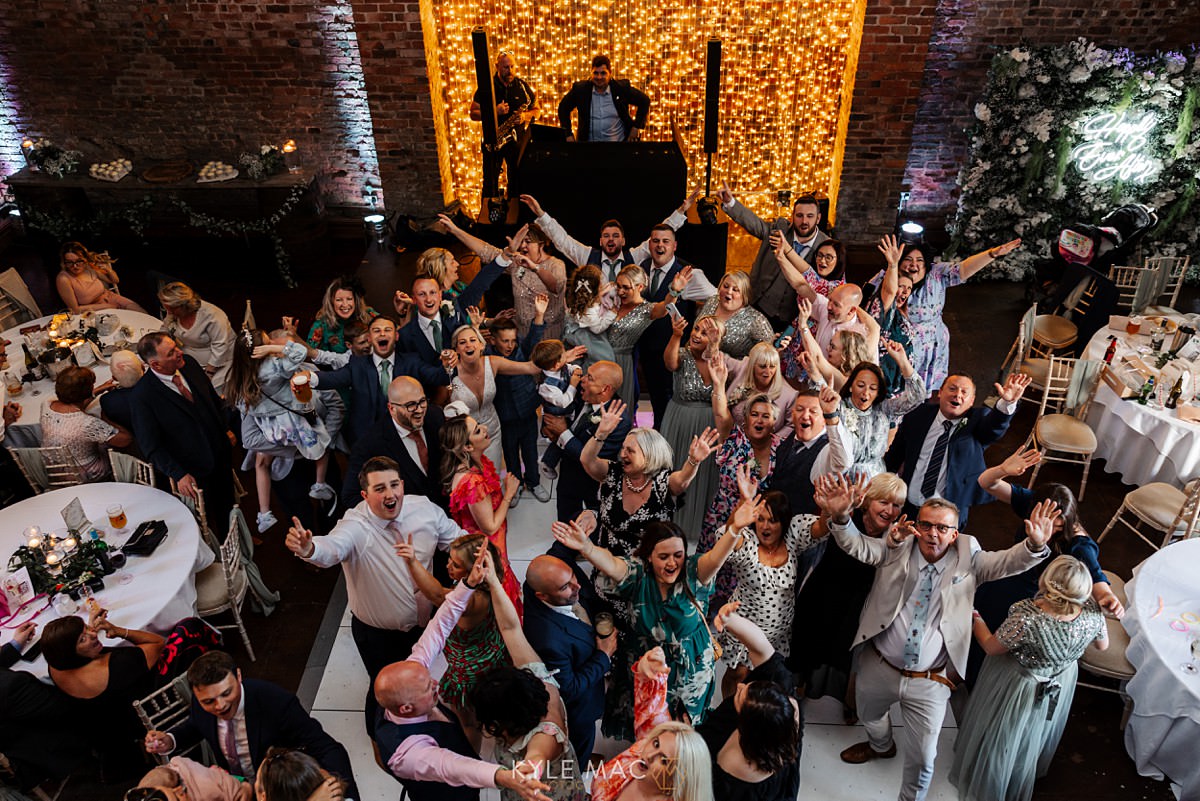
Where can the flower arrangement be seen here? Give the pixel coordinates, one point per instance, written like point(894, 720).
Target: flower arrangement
point(52, 159)
point(268, 161)
point(1067, 133)
point(88, 562)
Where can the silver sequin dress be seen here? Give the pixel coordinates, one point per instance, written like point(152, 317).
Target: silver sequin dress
point(745, 329)
point(688, 414)
point(623, 335)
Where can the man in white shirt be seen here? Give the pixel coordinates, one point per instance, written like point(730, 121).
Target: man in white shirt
point(388, 613)
point(915, 628)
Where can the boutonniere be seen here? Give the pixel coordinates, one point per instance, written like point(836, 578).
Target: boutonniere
point(961, 425)
point(595, 418)
point(447, 308)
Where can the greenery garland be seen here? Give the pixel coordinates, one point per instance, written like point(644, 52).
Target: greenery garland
point(63, 227)
point(88, 561)
point(1020, 178)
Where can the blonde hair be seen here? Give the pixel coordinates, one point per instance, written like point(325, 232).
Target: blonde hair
point(762, 353)
point(693, 764)
point(1065, 585)
point(742, 279)
point(714, 343)
point(887, 487)
point(179, 294)
point(854, 350)
point(433, 264)
point(460, 329)
point(467, 547)
point(635, 274)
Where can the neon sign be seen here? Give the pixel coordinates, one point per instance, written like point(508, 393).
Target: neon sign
point(1114, 146)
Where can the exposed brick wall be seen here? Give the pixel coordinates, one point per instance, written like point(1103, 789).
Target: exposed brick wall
point(203, 80)
point(962, 39)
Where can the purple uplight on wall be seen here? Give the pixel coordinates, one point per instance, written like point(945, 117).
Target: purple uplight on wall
point(11, 158)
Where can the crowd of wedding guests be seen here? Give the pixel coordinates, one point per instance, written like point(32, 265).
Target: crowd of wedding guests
point(790, 510)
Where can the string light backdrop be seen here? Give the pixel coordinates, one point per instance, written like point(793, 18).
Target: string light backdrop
point(785, 89)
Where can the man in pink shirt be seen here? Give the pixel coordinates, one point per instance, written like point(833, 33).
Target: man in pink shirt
point(421, 740)
point(838, 312)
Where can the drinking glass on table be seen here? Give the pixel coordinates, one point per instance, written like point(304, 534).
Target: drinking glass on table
point(116, 516)
point(119, 560)
point(12, 383)
point(1133, 325)
point(1192, 667)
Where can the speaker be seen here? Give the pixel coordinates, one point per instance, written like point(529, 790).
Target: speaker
point(712, 94)
point(483, 79)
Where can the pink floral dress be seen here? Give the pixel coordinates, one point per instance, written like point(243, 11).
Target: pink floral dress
point(477, 484)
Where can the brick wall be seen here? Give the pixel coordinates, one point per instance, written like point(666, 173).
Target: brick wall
point(921, 123)
point(204, 80)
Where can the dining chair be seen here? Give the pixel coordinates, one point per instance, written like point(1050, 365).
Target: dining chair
point(1175, 269)
point(1019, 358)
point(48, 468)
point(1126, 279)
point(1112, 662)
point(17, 305)
point(222, 586)
point(1054, 332)
point(130, 469)
point(1063, 435)
point(196, 507)
point(1161, 506)
point(165, 708)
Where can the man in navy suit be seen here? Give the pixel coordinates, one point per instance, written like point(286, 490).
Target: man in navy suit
point(938, 449)
point(368, 378)
point(560, 629)
point(576, 489)
point(240, 720)
point(180, 425)
point(427, 334)
point(408, 435)
point(661, 269)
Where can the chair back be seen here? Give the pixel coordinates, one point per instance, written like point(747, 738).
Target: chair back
point(1021, 346)
point(1127, 278)
point(196, 507)
point(1174, 269)
point(131, 469)
point(1150, 284)
point(1081, 389)
point(1058, 382)
point(48, 468)
point(1185, 524)
point(164, 708)
point(233, 566)
point(16, 303)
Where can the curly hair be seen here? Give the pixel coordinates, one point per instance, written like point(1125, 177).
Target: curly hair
point(508, 702)
point(454, 438)
point(854, 350)
point(767, 727)
point(583, 289)
point(328, 316)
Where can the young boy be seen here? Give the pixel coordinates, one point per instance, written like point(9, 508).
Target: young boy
point(557, 391)
point(517, 402)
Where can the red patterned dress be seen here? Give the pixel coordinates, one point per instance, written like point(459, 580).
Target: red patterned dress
point(477, 484)
point(650, 709)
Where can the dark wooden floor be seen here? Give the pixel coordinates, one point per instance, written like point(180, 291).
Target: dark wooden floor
point(1091, 762)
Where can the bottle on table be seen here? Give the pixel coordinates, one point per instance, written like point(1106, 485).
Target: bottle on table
point(1157, 337)
point(36, 371)
point(1147, 391)
point(1112, 350)
point(1176, 392)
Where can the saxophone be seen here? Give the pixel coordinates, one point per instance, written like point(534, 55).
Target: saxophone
point(507, 131)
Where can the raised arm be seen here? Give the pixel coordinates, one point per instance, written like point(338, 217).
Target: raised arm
point(503, 366)
point(485, 251)
point(701, 448)
point(427, 583)
point(722, 416)
point(610, 417)
point(890, 285)
point(993, 480)
point(671, 354)
point(709, 563)
point(567, 245)
point(519, 649)
point(792, 265)
point(572, 535)
point(746, 631)
point(488, 519)
point(973, 264)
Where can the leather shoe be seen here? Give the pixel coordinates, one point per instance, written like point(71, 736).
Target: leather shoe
point(863, 752)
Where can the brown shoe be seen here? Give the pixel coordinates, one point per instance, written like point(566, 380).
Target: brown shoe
point(863, 752)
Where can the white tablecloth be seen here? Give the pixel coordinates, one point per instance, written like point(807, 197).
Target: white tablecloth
point(26, 432)
point(1162, 618)
point(162, 591)
point(1140, 443)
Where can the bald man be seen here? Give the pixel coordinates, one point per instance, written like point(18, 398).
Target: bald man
point(839, 312)
point(408, 435)
point(421, 740)
point(560, 629)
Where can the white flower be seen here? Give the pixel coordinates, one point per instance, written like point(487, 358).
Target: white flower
point(265, 149)
point(983, 113)
point(447, 308)
point(1079, 74)
point(1026, 91)
point(595, 418)
point(1018, 54)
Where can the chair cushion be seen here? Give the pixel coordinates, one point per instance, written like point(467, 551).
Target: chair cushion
point(211, 593)
point(1117, 585)
point(1111, 662)
point(1037, 370)
point(1062, 432)
point(1156, 503)
point(1055, 331)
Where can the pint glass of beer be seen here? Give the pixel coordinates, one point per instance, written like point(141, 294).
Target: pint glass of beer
point(604, 624)
point(301, 387)
point(116, 516)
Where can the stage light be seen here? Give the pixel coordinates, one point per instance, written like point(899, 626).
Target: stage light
point(911, 233)
point(376, 228)
point(786, 85)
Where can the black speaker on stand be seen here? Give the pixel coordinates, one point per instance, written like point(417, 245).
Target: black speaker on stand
point(706, 244)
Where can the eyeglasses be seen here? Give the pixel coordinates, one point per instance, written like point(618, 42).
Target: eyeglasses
point(411, 406)
point(826, 257)
point(925, 526)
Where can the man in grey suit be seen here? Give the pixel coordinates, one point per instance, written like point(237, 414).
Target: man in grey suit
point(773, 295)
point(915, 627)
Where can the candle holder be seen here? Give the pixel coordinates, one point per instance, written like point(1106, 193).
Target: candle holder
point(291, 158)
point(33, 537)
point(27, 152)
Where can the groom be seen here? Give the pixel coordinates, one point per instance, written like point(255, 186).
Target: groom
point(576, 489)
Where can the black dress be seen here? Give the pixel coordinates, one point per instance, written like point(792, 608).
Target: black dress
point(110, 715)
point(828, 606)
point(720, 725)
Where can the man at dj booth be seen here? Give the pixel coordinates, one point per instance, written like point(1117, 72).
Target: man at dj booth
point(603, 104)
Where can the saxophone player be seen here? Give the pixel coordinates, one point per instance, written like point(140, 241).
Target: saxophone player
point(513, 97)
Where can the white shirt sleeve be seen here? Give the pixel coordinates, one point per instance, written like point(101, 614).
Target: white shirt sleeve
point(555, 396)
point(698, 286)
point(573, 249)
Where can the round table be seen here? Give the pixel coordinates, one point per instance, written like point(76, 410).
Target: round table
point(1162, 618)
point(162, 591)
point(26, 432)
point(1140, 443)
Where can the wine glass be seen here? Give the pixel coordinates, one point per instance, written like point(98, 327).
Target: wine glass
point(118, 559)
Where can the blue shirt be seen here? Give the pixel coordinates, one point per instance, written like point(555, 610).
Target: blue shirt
point(605, 122)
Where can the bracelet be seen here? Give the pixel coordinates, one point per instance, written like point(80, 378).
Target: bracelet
point(467, 584)
point(673, 293)
point(830, 416)
point(692, 462)
point(599, 438)
point(991, 253)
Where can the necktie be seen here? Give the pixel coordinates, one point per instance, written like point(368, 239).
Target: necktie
point(802, 251)
point(611, 267)
point(385, 374)
point(581, 613)
point(422, 450)
point(916, 632)
point(656, 281)
point(929, 482)
point(229, 746)
point(177, 380)
point(436, 327)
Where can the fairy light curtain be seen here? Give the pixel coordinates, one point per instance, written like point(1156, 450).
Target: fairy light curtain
point(786, 84)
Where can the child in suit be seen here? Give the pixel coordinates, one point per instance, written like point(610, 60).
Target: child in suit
point(557, 391)
point(517, 400)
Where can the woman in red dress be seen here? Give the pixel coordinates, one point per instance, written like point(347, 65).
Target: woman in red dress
point(478, 501)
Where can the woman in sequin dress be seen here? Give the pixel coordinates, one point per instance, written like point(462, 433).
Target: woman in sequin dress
point(474, 646)
point(868, 414)
point(634, 316)
point(689, 412)
point(931, 342)
point(1019, 707)
point(745, 326)
point(760, 374)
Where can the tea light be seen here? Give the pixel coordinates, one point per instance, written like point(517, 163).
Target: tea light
point(289, 155)
point(33, 537)
point(26, 151)
point(70, 543)
point(53, 558)
point(289, 146)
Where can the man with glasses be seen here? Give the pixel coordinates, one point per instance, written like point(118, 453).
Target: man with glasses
point(938, 449)
point(915, 629)
point(408, 435)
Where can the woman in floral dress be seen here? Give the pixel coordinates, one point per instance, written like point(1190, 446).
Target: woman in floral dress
point(343, 303)
point(828, 273)
point(867, 413)
point(477, 502)
point(931, 341)
point(669, 592)
point(1020, 704)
